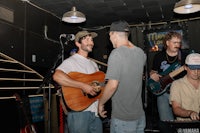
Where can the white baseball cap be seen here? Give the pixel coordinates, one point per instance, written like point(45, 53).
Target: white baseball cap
point(193, 61)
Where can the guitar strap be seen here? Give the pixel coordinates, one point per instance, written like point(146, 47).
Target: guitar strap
point(170, 68)
point(175, 65)
point(179, 57)
point(63, 105)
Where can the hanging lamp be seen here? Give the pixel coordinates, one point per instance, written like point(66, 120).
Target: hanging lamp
point(187, 6)
point(74, 16)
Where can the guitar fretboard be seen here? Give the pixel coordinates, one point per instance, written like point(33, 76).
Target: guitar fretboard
point(176, 72)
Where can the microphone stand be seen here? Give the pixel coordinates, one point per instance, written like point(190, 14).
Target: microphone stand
point(62, 47)
point(47, 80)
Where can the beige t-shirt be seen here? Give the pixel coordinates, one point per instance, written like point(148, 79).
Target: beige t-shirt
point(186, 95)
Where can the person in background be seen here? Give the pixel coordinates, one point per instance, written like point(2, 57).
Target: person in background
point(73, 51)
point(124, 74)
point(86, 121)
point(169, 59)
point(185, 92)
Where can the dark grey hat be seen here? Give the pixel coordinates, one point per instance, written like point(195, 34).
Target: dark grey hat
point(121, 26)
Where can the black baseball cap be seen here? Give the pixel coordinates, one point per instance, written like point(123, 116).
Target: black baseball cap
point(121, 26)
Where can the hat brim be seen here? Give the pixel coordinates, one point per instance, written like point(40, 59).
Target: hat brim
point(93, 35)
point(193, 67)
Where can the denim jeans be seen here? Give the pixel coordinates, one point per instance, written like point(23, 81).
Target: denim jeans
point(84, 122)
point(164, 108)
point(136, 126)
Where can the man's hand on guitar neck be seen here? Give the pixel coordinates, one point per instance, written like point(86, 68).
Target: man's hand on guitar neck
point(155, 76)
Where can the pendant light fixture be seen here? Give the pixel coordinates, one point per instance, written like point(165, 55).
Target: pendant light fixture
point(74, 16)
point(187, 6)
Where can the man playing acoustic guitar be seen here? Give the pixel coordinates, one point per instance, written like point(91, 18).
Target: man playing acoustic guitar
point(87, 120)
point(170, 58)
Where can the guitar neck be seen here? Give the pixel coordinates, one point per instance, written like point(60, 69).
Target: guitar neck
point(176, 72)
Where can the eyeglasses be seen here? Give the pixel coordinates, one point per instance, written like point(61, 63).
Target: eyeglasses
point(176, 42)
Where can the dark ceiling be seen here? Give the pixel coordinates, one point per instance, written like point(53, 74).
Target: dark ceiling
point(104, 12)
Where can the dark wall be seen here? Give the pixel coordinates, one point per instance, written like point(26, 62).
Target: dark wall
point(24, 39)
point(102, 48)
point(12, 34)
point(32, 36)
point(193, 35)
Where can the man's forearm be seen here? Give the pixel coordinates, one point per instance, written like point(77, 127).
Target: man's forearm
point(108, 91)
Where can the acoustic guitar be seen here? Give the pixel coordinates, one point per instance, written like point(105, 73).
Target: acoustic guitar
point(29, 127)
point(160, 87)
point(75, 98)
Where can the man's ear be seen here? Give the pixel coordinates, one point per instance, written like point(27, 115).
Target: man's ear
point(185, 67)
point(167, 43)
point(77, 44)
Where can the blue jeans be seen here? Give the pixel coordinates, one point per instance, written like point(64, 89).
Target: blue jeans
point(120, 126)
point(164, 108)
point(84, 122)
